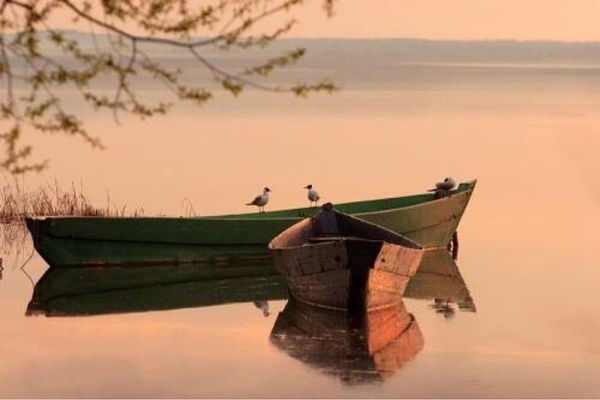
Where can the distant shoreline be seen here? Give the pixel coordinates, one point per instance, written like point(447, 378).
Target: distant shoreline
point(402, 39)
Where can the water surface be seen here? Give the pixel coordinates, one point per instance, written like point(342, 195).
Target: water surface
point(528, 131)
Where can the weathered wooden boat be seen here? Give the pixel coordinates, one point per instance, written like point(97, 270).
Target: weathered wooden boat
point(356, 349)
point(68, 241)
point(439, 279)
point(337, 261)
point(79, 291)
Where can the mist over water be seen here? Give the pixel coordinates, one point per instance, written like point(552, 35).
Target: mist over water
point(522, 118)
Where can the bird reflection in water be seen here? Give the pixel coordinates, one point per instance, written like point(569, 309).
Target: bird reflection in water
point(444, 307)
point(263, 305)
point(357, 348)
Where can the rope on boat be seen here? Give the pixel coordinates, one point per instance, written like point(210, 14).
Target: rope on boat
point(453, 245)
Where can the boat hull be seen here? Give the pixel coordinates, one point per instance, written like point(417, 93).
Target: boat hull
point(348, 274)
point(94, 241)
point(337, 261)
point(97, 241)
point(430, 224)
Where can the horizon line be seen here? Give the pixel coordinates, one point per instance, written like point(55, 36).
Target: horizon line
point(405, 38)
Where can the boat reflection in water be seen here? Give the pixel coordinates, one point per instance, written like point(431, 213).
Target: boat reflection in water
point(358, 347)
point(368, 346)
point(108, 290)
point(440, 280)
point(353, 347)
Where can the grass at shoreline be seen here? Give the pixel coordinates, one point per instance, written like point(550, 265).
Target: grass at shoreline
point(16, 203)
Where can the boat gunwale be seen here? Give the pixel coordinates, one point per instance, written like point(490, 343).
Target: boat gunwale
point(322, 243)
point(468, 187)
point(400, 239)
point(464, 188)
point(467, 191)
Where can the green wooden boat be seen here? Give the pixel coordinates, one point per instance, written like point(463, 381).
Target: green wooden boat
point(93, 241)
point(81, 291)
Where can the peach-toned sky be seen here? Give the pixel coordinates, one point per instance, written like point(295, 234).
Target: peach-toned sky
point(456, 19)
point(562, 20)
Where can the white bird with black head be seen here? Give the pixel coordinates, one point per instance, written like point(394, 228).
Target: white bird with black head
point(447, 184)
point(261, 200)
point(313, 196)
point(443, 188)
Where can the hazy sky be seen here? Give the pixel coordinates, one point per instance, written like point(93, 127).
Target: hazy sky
point(456, 19)
point(574, 20)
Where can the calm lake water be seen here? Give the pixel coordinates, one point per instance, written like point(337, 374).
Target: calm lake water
point(524, 121)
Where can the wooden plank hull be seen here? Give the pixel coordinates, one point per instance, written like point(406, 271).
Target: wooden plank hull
point(316, 277)
point(97, 241)
point(93, 241)
point(97, 290)
point(431, 224)
point(366, 272)
point(354, 348)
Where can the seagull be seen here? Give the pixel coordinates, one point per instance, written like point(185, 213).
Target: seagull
point(447, 184)
point(441, 188)
point(313, 196)
point(261, 200)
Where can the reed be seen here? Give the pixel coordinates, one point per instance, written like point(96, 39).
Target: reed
point(16, 203)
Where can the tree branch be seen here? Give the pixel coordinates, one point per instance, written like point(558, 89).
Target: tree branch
point(226, 74)
point(166, 23)
point(122, 78)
